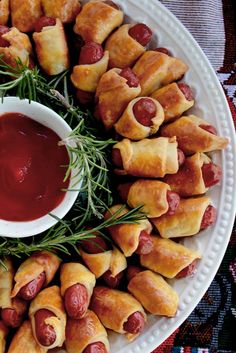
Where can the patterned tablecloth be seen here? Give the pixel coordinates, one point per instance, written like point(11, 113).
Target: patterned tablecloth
point(211, 328)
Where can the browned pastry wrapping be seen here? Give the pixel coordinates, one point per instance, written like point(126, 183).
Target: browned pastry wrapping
point(168, 258)
point(19, 47)
point(6, 282)
point(154, 293)
point(155, 69)
point(24, 342)
point(148, 158)
point(4, 11)
point(123, 49)
point(100, 263)
point(81, 333)
point(24, 14)
point(51, 48)
point(66, 10)
point(188, 181)
point(86, 77)
point(173, 101)
point(31, 268)
point(192, 137)
point(126, 236)
point(114, 307)
point(113, 85)
point(186, 220)
point(3, 335)
point(50, 299)
point(97, 20)
point(128, 126)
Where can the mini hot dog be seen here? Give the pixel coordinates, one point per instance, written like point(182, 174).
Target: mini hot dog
point(104, 263)
point(4, 12)
point(24, 14)
point(48, 318)
point(127, 44)
point(148, 158)
point(131, 238)
point(194, 135)
point(192, 215)
point(86, 335)
point(65, 10)
point(175, 99)
point(77, 284)
point(12, 316)
point(129, 319)
point(142, 118)
point(122, 84)
point(34, 273)
point(195, 176)
point(156, 69)
point(154, 293)
point(155, 196)
point(97, 20)
point(170, 259)
point(51, 45)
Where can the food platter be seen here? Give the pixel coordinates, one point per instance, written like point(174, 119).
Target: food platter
point(211, 105)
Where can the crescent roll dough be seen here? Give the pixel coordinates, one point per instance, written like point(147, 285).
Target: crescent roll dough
point(126, 236)
point(154, 293)
point(185, 221)
point(24, 14)
point(97, 20)
point(42, 261)
point(168, 258)
point(152, 194)
point(148, 158)
point(75, 273)
point(83, 332)
point(123, 49)
point(19, 47)
point(114, 307)
point(6, 282)
point(66, 10)
point(172, 100)
point(112, 260)
point(128, 126)
point(188, 181)
point(155, 69)
point(4, 12)
point(86, 77)
point(3, 335)
point(50, 299)
point(51, 48)
point(24, 342)
point(191, 137)
point(113, 85)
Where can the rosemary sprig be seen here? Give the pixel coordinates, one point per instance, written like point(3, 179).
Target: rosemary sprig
point(61, 238)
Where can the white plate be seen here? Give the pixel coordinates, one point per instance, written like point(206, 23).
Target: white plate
point(212, 106)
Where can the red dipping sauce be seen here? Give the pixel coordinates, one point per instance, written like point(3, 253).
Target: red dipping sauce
point(31, 168)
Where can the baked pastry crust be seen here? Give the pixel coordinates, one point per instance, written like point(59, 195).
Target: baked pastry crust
point(31, 268)
point(123, 49)
point(51, 48)
point(172, 100)
point(186, 220)
point(128, 126)
point(113, 85)
point(168, 258)
point(192, 138)
point(148, 158)
point(50, 299)
point(126, 236)
point(155, 70)
point(97, 20)
point(3, 335)
point(6, 282)
point(114, 307)
point(24, 14)
point(66, 10)
point(84, 332)
point(4, 12)
point(154, 293)
point(86, 77)
point(188, 181)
